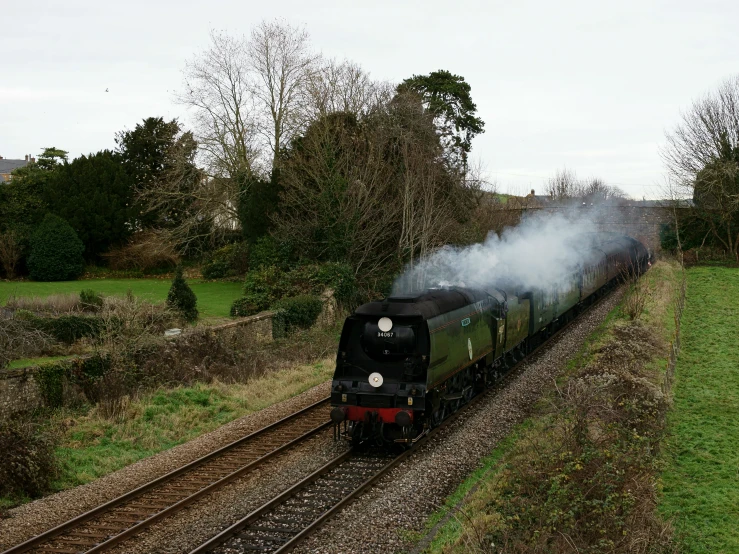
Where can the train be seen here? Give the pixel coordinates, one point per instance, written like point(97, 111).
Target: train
point(407, 362)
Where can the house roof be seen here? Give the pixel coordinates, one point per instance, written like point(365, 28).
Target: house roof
point(7, 166)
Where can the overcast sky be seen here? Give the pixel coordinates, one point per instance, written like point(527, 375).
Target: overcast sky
point(591, 86)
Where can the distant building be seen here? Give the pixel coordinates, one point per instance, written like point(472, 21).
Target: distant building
point(7, 166)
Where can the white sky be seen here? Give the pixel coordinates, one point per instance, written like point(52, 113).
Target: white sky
point(591, 86)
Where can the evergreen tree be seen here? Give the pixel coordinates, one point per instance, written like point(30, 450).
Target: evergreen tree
point(95, 195)
point(56, 251)
point(181, 297)
point(447, 98)
point(258, 203)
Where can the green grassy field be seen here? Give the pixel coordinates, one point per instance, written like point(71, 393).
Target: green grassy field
point(214, 298)
point(701, 481)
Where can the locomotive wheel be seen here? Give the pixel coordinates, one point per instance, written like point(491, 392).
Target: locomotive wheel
point(438, 416)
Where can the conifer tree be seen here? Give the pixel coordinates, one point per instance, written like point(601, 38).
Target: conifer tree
point(181, 297)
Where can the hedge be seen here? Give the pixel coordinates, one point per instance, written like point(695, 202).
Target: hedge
point(296, 312)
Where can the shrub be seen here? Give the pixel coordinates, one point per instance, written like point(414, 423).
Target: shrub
point(247, 305)
point(19, 339)
point(266, 251)
point(296, 312)
point(229, 261)
point(56, 251)
point(340, 278)
point(67, 328)
point(266, 285)
point(91, 300)
point(27, 465)
point(181, 297)
point(145, 251)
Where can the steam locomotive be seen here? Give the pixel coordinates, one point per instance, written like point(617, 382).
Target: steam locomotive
point(407, 362)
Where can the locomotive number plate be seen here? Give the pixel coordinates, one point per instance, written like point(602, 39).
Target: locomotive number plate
point(465, 322)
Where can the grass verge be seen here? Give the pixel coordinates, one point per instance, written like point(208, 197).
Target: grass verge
point(700, 486)
point(579, 475)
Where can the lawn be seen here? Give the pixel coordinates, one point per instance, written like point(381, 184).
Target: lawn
point(214, 297)
point(701, 480)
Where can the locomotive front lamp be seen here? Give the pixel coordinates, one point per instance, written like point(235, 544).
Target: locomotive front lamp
point(375, 379)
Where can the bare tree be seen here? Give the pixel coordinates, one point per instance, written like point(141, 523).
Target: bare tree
point(702, 156)
point(343, 87)
point(282, 64)
point(563, 185)
point(218, 89)
point(197, 208)
point(596, 191)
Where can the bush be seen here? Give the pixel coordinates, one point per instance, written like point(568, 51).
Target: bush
point(145, 251)
point(56, 251)
point(266, 252)
point(229, 261)
point(267, 285)
point(181, 297)
point(91, 300)
point(247, 305)
point(19, 339)
point(27, 465)
point(296, 312)
point(340, 278)
point(66, 328)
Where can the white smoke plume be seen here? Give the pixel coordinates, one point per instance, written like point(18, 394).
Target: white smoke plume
point(542, 251)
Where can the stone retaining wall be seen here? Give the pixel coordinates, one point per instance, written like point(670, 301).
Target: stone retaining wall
point(19, 391)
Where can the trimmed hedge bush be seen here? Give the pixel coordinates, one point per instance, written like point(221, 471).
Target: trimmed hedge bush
point(296, 312)
point(181, 297)
point(56, 251)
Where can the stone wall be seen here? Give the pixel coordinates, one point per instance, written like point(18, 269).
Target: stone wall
point(19, 391)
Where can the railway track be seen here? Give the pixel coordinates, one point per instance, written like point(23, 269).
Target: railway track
point(280, 524)
point(127, 515)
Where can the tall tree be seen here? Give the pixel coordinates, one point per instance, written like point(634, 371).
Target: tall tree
point(94, 194)
point(447, 97)
point(282, 64)
point(218, 91)
point(702, 156)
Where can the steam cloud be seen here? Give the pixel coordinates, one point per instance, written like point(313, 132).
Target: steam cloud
point(542, 251)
